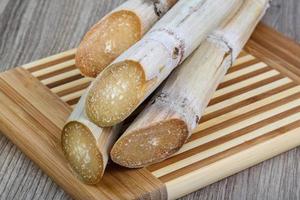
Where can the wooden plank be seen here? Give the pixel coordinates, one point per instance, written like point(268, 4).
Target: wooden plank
point(278, 51)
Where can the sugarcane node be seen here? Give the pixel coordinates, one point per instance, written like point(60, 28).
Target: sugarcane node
point(158, 11)
point(197, 119)
point(175, 53)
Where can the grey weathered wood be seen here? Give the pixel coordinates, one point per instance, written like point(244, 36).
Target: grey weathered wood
point(32, 29)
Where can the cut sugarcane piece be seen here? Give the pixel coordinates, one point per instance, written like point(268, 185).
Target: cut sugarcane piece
point(116, 32)
point(86, 146)
point(186, 93)
point(167, 44)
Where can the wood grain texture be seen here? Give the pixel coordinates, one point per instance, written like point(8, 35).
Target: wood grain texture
point(28, 26)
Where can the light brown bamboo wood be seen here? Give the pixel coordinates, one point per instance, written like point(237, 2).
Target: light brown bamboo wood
point(70, 85)
point(123, 86)
point(36, 65)
point(165, 125)
point(116, 32)
point(61, 77)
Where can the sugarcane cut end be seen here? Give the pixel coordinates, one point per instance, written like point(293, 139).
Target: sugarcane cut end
point(151, 144)
point(81, 151)
point(116, 93)
point(106, 40)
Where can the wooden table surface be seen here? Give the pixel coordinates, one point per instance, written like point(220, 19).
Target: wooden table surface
point(33, 29)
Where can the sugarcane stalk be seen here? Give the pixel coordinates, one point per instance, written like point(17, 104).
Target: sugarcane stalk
point(134, 75)
point(167, 122)
point(116, 32)
point(85, 145)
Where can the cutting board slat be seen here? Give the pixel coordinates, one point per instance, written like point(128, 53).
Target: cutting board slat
point(254, 115)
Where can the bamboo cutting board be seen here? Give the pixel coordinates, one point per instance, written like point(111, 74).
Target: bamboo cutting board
point(254, 115)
